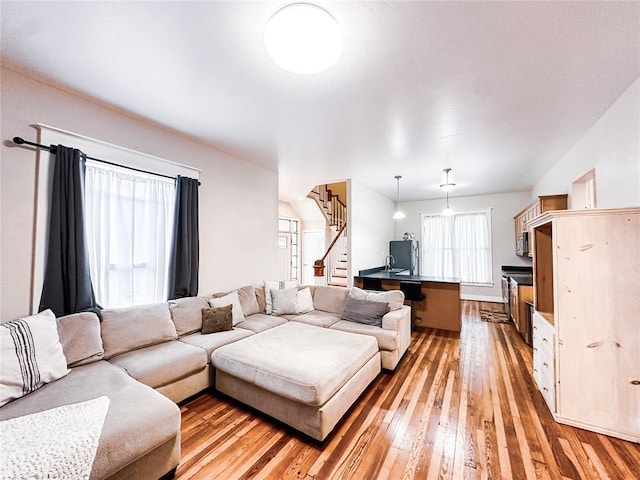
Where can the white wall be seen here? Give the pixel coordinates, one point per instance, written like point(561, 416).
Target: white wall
point(371, 227)
point(504, 207)
point(238, 200)
point(612, 146)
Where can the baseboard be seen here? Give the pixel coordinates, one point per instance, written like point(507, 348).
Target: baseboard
point(481, 298)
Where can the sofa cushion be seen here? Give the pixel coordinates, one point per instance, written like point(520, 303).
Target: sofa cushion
point(262, 301)
point(138, 421)
point(186, 314)
point(248, 300)
point(80, 338)
point(395, 298)
point(387, 339)
point(364, 311)
point(260, 322)
point(229, 299)
point(329, 298)
point(317, 318)
point(162, 364)
point(217, 319)
point(128, 328)
point(30, 355)
point(299, 362)
point(211, 342)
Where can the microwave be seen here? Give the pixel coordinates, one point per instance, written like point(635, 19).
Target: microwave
point(522, 244)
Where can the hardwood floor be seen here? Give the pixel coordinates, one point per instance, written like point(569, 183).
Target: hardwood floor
point(457, 407)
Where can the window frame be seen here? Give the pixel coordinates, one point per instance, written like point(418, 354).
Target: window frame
point(488, 213)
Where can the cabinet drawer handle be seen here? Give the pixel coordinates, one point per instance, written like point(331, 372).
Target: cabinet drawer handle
point(545, 340)
point(545, 389)
point(635, 382)
point(545, 364)
point(535, 349)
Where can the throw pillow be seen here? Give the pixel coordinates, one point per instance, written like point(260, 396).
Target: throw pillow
point(217, 319)
point(30, 355)
point(230, 299)
point(275, 285)
point(364, 311)
point(305, 300)
point(284, 302)
point(395, 298)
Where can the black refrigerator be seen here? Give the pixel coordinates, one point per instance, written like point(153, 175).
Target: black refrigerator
point(405, 255)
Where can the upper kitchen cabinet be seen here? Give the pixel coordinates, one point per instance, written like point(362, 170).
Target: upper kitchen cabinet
point(523, 230)
point(586, 276)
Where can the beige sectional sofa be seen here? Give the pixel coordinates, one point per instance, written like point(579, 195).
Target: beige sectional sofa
point(148, 358)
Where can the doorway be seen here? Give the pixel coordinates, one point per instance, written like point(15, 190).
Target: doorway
point(312, 250)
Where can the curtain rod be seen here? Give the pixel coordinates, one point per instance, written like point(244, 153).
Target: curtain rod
point(52, 149)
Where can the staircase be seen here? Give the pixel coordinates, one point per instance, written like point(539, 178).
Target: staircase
point(334, 266)
point(333, 209)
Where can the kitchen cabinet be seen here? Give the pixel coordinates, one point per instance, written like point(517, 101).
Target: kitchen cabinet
point(522, 220)
point(439, 306)
point(520, 295)
point(586, 288)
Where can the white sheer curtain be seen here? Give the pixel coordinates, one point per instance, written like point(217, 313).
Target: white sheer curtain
point(129, 220)
point(458, 246)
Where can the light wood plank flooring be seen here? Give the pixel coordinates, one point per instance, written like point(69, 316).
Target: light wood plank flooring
point(457, 407)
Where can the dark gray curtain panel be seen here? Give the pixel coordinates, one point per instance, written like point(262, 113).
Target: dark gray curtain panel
point(185, 258)
point(67, 284)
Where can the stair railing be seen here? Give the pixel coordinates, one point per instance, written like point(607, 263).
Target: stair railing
point(326, 266)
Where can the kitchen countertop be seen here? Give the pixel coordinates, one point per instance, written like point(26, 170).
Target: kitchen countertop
point(381, 273)
point(522, 279)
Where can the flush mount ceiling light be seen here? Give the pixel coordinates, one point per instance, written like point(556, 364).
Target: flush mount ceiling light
point(303, 38)
point(447, 186)
point(398, 213)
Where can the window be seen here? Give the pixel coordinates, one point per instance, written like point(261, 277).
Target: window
point(129, 220)
point(458, 246)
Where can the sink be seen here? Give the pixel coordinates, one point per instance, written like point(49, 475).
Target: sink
point(396, 270)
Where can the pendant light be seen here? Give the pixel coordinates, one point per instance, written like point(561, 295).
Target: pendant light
point(398, 213)
point(447, 186)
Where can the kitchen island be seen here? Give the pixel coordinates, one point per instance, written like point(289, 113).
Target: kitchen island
point(434, 301)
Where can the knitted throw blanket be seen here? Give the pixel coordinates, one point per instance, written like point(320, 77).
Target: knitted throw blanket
point(60, 443)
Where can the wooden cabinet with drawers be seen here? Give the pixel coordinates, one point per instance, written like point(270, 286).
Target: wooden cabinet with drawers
point(586, 359)
point(544, 359)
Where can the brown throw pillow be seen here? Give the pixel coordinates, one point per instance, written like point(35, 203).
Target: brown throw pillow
point(217, 319)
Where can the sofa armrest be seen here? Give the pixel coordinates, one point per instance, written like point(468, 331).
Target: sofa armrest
point(396, 320)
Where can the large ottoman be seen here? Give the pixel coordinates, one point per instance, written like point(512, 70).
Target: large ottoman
point(305, 376)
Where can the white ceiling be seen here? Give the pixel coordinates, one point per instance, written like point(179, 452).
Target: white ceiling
point(498, 91)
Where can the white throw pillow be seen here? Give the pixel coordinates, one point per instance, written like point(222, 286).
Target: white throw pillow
point(30, 355)
point(230, 299)
point(305, 300)
point(275, 285)
point(395, 298)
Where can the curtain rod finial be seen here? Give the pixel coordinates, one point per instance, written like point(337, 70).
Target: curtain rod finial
point(18, 140)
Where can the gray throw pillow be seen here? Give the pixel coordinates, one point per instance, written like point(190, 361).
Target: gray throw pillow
point(284, 302)
point(364, 311)
point(217, 319)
